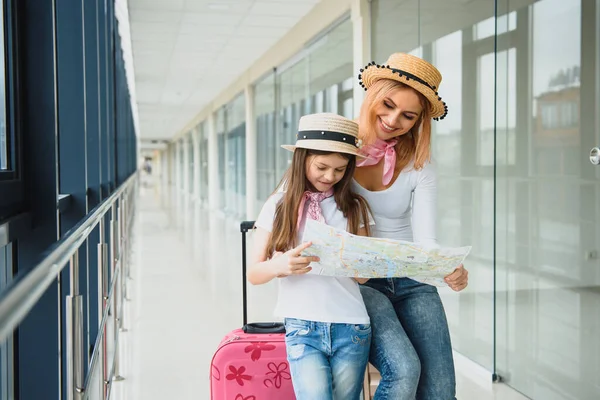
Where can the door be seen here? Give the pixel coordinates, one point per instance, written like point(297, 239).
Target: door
point(548, 202)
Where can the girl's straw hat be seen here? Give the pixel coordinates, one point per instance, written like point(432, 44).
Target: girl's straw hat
point(327, 132)
point(412, 71)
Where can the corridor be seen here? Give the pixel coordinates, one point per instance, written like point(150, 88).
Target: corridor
point(186, 294)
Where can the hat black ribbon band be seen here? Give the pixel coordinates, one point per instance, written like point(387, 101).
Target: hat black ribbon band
point(327, 135)
point(413, 77)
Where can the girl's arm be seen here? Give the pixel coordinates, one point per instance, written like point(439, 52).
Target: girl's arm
point(263, 270)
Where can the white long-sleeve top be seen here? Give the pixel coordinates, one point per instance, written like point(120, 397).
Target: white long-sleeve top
point(394, 216)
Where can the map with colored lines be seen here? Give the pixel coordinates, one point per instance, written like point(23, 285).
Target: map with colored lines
point(344, 254)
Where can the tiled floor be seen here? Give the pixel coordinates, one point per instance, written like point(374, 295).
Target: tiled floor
point(186, 293)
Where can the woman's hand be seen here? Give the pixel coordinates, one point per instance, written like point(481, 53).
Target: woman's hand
point(459, 279)
point(291, 263)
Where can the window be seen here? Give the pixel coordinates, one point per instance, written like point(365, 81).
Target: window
point(4, 143)
point(569, 114)
point(487, 28)
point(549, 116)
point(11, 187)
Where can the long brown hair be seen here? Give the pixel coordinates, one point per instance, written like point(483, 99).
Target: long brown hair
point(284, 235)
point(413, 145)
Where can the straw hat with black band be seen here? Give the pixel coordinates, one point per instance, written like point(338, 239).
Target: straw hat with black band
point(327, 132)
point(411, 71)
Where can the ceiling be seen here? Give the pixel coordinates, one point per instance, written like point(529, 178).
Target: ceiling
point(186, 52)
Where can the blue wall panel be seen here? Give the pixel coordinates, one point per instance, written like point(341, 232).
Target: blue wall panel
point(37, 352)
point(112, 117)
point(72, 141)
point(93, 136)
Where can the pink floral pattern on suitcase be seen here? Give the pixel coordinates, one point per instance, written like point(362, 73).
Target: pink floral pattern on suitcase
point(238, 375)
point(257, 348)
point(278, 373)
point(253, 367)
point(241, 397)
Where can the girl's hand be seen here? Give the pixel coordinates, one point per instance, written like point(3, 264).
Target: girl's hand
point(459, 279)
point(291, 263)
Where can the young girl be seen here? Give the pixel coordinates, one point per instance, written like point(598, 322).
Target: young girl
point(328, 331)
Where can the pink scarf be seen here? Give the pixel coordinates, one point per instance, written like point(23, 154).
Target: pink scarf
point(314, 205)
point(375, 152)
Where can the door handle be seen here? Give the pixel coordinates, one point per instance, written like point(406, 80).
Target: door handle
point(595, 156)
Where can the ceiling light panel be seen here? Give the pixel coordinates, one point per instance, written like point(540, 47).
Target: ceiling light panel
point(280, 9)
point(186, 53)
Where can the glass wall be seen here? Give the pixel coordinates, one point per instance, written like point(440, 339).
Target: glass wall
point(221, 139)
point(236, 157)
point(264, 111)
point(548, 201)
point(189, 144)
point(330, 72)
point(293, 103)
point(522, 85)
point(203, 143)
point(319, 79)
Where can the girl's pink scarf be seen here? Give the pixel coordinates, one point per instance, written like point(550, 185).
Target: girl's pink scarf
point(375, 152)
point(314, 206)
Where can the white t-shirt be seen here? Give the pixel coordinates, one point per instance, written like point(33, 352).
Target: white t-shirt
point(407, 209)
point(310, 296)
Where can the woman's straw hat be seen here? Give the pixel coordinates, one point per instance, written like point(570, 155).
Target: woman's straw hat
point(327, 132)
point(412, 71)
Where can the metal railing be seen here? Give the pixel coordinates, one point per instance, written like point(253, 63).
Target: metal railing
point(114, 264)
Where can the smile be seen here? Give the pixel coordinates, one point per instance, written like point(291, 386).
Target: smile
point(386, 127)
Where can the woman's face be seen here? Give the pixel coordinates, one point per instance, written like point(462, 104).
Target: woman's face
point(397, 113)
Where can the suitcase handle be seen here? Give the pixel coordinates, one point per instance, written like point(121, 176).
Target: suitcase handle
point(264, 327)
point(256, 327)
point(245, 226)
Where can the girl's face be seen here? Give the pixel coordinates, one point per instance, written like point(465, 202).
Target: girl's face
point(397, 113)
point(324, 171)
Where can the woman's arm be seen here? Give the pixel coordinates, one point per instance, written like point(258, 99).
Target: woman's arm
point(263, 270)
point(424, 221)
point(424, 208)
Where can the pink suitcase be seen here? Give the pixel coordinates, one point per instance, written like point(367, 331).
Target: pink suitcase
point(251, 363)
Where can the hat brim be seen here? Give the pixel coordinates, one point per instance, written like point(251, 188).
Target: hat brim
point(372, 73)
point(329, 146)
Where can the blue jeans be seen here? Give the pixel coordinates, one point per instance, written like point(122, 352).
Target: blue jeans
point(411, 343)
point(327, 360)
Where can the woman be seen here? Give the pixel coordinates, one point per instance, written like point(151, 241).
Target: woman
point(411, 343)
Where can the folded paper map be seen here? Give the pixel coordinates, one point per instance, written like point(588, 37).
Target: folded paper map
point(344, 254)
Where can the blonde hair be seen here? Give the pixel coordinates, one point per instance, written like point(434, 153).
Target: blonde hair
point(414, 145)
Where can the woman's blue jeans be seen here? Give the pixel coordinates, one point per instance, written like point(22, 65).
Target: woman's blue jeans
point(327, 360)
point(410, 344)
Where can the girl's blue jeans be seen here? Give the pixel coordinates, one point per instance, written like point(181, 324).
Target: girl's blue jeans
point(327, 360)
